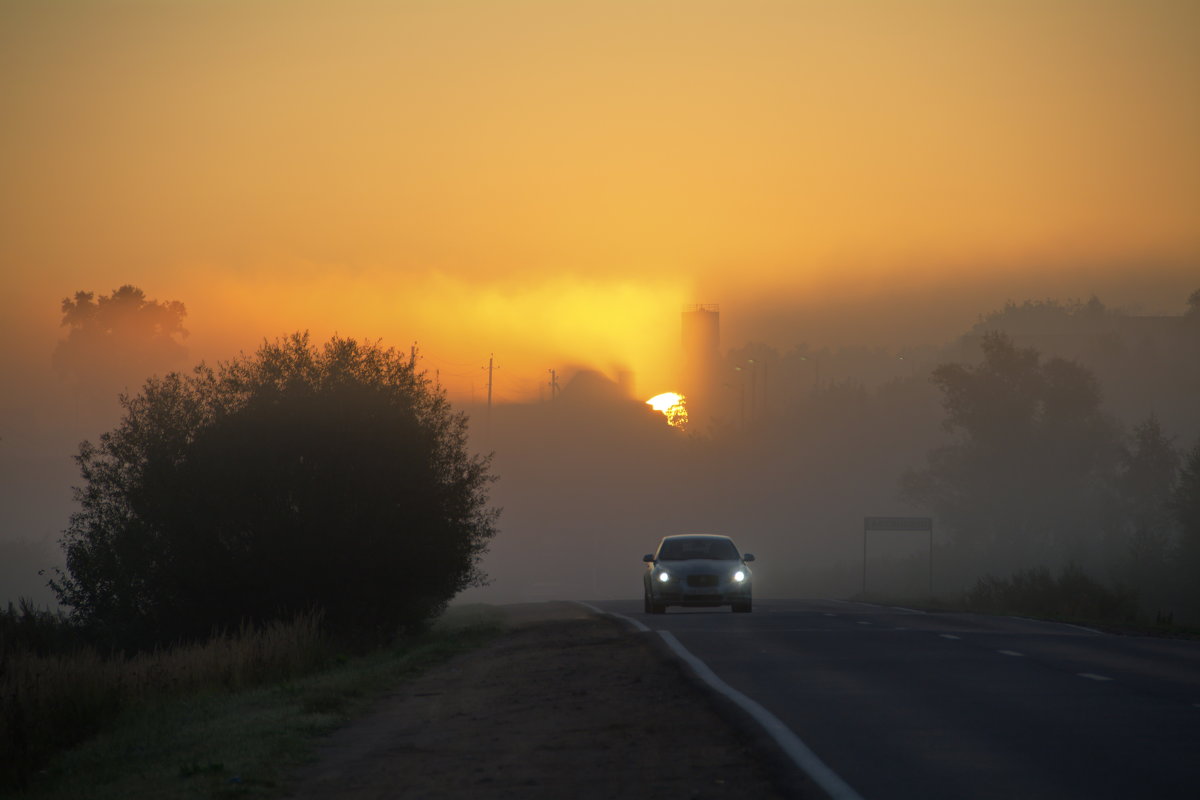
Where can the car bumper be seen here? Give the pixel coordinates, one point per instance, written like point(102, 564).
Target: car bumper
point(701, 596)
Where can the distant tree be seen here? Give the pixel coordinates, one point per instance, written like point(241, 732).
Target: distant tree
point(1193, 302)
point(1046, 317)
point(1141, 517)
point(1148, 468)
point(118, 340)
point(334, 478)
point(1185, 504)
point(1032, 451)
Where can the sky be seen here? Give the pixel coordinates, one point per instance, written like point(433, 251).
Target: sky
point(549, 182)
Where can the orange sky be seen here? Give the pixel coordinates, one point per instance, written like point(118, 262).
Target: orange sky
point(551, 180)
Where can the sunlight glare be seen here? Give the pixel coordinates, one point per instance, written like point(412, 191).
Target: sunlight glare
point(673, 406)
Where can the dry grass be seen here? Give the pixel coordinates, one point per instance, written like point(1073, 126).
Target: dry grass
point(51, 701)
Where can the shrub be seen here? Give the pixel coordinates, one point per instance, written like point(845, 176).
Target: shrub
point(299, 479)
point(1038, 593)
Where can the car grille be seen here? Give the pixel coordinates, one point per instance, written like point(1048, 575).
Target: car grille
point(702, 580)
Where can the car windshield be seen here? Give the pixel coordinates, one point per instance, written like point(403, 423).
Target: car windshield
point(685, 549)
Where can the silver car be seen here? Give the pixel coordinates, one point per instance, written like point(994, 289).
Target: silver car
point(697, 570)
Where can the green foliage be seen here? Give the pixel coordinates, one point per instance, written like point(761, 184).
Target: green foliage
point(55, 697)
point(1071, 595)
point(299, 478)
point(229, 717)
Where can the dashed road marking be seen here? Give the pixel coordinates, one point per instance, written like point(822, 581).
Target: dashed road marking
point(829, 614)
point(863, 622)
point(1011, 653)
point(909, 610)
point(949, 636)
point(1091, 676)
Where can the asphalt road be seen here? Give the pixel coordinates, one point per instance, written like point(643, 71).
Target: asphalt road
point(903, 704)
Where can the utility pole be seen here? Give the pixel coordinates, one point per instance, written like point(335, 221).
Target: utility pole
point(488, 419)
point(553, 384)
point(491, 358)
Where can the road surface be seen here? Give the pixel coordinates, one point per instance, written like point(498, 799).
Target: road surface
point(903, 704)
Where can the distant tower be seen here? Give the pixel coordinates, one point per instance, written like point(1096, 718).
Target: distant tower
point(701, 344)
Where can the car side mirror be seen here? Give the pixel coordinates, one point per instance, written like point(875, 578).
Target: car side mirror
point(748, 557)
point(648, 558)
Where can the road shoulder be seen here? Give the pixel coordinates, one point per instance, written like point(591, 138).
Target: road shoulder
point(564, 704)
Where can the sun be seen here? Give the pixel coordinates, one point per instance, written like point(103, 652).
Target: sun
point(673, 406)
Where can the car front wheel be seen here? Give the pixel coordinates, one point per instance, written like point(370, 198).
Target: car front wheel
point(742, 606)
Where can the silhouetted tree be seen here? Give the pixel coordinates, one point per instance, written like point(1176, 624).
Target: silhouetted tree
point(1193, 303)
point(300, 477)
point(1185, 503)
point(118, 340)
point(1141, 517)
point(1032, 452)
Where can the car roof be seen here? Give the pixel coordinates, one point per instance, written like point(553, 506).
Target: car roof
point(696, 536)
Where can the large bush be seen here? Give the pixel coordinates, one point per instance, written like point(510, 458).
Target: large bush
point(300, 478)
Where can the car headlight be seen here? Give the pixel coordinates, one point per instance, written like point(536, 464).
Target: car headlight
point(664, 576)
point(739, 576)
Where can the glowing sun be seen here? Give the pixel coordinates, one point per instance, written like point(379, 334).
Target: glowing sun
point(673, 406)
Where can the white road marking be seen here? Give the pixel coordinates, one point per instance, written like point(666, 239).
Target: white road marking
point(949, 636)
point(1011, 653)
point(909, 610)
point(636, 625)
point(829, 614)
point(863, 622)
point(791, 744)
point(1052, 622)
point(1093, 676)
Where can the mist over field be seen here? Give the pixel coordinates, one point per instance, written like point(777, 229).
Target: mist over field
point(525, 195)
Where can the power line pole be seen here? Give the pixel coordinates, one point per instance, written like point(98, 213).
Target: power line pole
point(488, 419)
point(491, 357)
point(553, 384)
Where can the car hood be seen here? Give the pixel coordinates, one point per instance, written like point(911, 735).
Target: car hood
point(701, 566)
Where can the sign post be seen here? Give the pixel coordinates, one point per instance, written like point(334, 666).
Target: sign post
point(916, 524)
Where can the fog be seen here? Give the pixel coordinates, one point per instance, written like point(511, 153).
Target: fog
point(543, 186)
point(591, 481)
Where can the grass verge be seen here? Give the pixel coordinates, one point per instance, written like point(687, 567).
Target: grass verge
point(242, 743)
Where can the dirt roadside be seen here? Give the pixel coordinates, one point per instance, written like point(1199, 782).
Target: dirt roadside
point(565, 704)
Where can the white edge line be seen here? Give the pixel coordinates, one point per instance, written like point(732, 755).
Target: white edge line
point(1055, 622)
point(795, 749)
point(638, 626)
point(800, 754)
